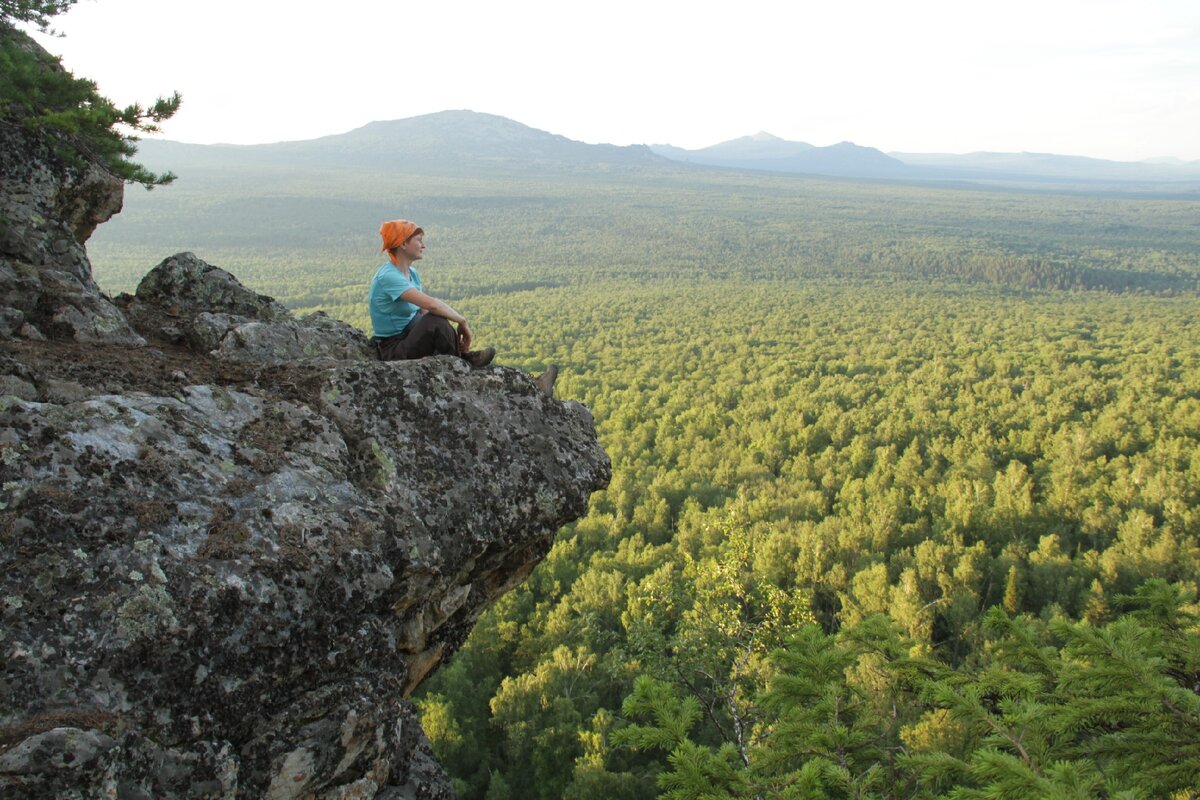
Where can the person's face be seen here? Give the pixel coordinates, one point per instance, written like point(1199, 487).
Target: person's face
point(414, 247)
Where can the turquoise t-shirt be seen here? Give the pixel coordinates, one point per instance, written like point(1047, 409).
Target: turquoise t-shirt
point(389, 314)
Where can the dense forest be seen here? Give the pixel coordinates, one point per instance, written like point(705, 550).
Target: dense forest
point(859, 471)
point(906, 487)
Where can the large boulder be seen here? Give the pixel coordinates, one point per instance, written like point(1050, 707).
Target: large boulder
point(188, 301)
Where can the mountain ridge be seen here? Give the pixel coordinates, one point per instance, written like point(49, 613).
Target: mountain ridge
point(764, 151)
point(442, 140)
point(461, 140)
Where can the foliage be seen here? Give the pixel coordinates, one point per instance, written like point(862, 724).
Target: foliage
point(36, 12)
point(855, 450)
point(1072, 710)
point(847, 421)
point(38, 93)
point(1062, 711)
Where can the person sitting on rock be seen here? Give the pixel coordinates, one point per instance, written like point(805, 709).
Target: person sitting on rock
point(407, 322)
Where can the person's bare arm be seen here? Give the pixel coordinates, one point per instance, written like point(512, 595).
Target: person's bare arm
point(434, 306)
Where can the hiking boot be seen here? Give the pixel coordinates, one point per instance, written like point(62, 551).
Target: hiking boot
point(479, 358)
point(545, 381)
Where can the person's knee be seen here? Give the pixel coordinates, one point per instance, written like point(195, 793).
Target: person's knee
point(445, 336)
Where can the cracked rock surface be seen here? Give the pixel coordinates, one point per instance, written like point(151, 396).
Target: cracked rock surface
point(49, 206)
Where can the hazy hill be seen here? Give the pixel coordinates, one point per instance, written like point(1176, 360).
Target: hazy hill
point(447, 140)
point(764, 151)
point(761, 145)
point(468, 143)
point(986, 166)
point(295, 216)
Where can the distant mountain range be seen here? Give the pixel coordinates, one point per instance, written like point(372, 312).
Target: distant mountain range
point(447, 140)
point(455, 142)
point(1049, 165)
point(765, 152)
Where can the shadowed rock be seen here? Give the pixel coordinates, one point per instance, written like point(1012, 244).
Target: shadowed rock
point(243, 584)
point(49, 206)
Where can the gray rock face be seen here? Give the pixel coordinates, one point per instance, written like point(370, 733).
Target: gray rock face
point(48, 209)
point(230, 552)
point(234, 588)
point(188, 301)
point(188, 286)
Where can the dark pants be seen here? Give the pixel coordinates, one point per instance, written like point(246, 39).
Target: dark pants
point(427, 335)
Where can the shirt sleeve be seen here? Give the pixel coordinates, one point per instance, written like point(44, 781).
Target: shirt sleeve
point(395, 284)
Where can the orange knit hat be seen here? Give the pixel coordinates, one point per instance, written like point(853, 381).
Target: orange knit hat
point(395, 233)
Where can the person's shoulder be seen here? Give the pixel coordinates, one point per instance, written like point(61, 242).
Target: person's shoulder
point(398, 278)
point(388, 275)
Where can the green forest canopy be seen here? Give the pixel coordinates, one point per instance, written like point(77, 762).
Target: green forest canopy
point(906, 492)
point(791, 456)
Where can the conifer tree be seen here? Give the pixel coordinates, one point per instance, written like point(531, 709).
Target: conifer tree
point(38, 93)
point(1113, 713)
point(1012, 591)
point(36, 12)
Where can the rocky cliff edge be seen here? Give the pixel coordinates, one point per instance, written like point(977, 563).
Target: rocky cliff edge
point(231, 543)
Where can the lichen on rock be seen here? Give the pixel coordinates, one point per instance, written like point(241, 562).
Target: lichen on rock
point(49, 206)
point(200, 562)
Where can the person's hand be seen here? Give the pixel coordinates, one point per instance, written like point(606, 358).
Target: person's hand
point(464, 337)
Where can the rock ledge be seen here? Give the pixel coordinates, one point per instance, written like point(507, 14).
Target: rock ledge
point(231, 543)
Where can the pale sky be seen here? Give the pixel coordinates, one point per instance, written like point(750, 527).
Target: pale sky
point(1115, 79)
